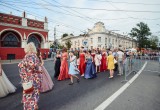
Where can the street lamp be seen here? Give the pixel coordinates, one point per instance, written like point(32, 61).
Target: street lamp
point(55, 40)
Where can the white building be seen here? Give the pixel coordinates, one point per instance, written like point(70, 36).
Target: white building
point(99, 37)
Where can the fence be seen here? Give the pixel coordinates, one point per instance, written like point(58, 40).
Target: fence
point(134, 64)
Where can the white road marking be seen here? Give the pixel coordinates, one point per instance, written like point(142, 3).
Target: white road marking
point(152, 71)
point(108, 101)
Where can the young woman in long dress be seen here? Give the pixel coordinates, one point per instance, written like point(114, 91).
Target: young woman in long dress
point(72, 68)
point(90, 71)
point(30, 71)
point(64, 66)
point(103, 61)
point(47, 83)
point(6, 86)
point(97, 60)
point(82, 64)
point(57, 64)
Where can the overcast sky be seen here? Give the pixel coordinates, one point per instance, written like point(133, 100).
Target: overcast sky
point(76, 21)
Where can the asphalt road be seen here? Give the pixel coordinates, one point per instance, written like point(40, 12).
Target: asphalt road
point(86, 95)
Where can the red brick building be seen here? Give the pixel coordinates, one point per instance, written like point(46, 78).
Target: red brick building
point(16, 32)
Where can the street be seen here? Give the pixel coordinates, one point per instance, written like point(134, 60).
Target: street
point(142, 94)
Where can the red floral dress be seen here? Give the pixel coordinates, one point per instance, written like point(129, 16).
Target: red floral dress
point(30, 70)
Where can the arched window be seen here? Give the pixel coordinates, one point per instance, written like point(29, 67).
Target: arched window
point(34, 39)
point(10, 40)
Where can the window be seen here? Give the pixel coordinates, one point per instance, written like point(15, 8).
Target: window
point(106, 41)
point(10, 40)
point(78, 43)
point(99, 39)
point(35, 40)
point(113, 41)
point(75, 43)
point(91, 40)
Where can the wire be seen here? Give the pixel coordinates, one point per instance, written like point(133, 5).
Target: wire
point(131, 3)
point(36, 15)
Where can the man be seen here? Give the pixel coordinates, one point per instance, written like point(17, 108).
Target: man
point(120, 61)
point(116, 58)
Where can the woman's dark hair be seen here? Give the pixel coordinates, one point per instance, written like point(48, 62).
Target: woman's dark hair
point(64, 49)
point(38, 52)
point(90, 51)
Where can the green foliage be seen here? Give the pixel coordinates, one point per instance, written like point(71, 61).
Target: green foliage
point(141, 33)
point(68, 44)
point(153, 42)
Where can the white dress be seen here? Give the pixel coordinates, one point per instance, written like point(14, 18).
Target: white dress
point(97, 59)
point(6, 86)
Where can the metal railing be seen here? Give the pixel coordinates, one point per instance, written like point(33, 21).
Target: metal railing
point(132, 65)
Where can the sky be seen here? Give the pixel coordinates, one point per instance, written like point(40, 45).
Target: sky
point(79, 20)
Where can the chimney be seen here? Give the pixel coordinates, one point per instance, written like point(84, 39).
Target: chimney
point(24, 14)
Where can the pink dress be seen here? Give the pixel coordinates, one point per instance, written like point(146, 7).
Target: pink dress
point(47, 83)
point(64, 68)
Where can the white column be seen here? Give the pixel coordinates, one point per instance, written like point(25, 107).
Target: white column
point(24, 43)
point(24, 22)
point(46, 25)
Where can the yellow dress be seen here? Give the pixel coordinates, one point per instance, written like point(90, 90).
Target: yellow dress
point(110, 60)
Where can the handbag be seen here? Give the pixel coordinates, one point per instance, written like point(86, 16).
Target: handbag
point(115, 61)
point(28, 87)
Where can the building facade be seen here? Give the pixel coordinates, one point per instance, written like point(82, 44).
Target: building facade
point(16, 32)
point(99, 37)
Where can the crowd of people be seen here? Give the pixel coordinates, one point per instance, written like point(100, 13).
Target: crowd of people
point(35, 79)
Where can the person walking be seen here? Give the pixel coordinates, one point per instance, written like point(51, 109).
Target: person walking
point(111, 67)
point(31, 77)
point(57, 66)
point(6, 86)
point(72, 68)
point(103, 61)
point(82, 64)
point(120, 61)
point(90, 71)
point(97, 60)
point(47, 83)
point(64, 66)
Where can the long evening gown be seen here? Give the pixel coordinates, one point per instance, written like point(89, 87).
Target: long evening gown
point(6, 86)
point(47, 83)
point(103, 63)
point(90, 71)
point(57, 67)
point(82, 63)
point(64, 68)
point(93, 56)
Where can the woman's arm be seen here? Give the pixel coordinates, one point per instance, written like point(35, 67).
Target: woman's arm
point(42, 62)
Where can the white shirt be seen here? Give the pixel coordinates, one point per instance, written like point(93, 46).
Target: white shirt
point(120, 54)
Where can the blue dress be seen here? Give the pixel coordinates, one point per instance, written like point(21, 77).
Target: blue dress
point(90, 71)
point(72, 67)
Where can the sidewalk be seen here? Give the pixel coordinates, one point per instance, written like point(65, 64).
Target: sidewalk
point(143, 94)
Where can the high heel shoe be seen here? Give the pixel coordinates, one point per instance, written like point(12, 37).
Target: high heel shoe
point(71, 83)
point(78, 80)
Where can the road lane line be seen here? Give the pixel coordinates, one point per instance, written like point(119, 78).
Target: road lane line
point(108, 101)
point(152, 71)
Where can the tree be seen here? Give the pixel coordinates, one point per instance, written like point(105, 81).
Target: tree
point(65, 35)
point(153, 42)
point(141, 32)
point(68, 44)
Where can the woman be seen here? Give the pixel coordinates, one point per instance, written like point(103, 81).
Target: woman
point(73, 68)
point(110, 60)
point(57, 64)
point(47, 83)
point(6, 86)
point(90, 69)
point(64, 66)
point(82, 62)
point(97, 60)
point(93, 55)
point(31, 73)
point(103, 61)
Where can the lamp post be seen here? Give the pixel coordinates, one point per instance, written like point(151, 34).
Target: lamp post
point(55, 40)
